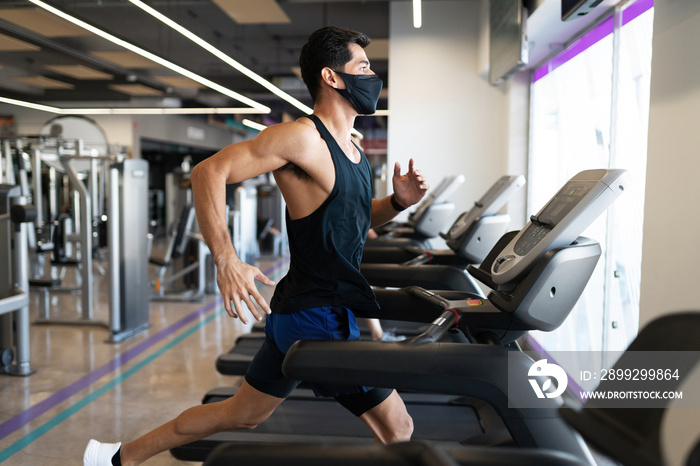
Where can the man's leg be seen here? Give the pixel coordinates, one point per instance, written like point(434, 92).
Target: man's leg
point(375, 328)
point(245, 410)
point(389, 420)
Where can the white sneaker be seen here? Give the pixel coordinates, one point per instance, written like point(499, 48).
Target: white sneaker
point(99, 454)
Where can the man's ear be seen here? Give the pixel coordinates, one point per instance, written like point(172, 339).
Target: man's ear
point(330, 78)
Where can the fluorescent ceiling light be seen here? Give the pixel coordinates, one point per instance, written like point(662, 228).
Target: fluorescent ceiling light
point(252, 124)
point(260, 127)
point(125, 59)
point(417, 14)
point(161, 111)
point(21, 103)
point(134, 111)
point(221, 55)
point(152, 57)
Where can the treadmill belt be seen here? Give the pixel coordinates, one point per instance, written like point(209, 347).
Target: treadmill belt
point(323, 417)
point(302, 418)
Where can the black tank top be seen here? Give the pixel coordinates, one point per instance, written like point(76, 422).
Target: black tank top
point(326, 246)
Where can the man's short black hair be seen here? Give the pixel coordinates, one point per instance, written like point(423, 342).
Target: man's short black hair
point(327, 47)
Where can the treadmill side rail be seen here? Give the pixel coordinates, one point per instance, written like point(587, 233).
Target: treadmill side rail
point(485, 372)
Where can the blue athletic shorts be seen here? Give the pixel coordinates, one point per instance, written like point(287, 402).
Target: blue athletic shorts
point(322, 323)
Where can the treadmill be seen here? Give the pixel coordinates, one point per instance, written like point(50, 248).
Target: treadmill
point(426, 222)
point(636, 436)
point(236, 361)
point(470, 238)
point(536, 274)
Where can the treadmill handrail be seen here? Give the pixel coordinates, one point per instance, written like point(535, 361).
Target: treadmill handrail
point(477, 370)
point(446, 187)
point(414, 453)
point(487, 205)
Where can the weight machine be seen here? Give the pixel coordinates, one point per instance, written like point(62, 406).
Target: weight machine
point(14, 283)
point(103, 187)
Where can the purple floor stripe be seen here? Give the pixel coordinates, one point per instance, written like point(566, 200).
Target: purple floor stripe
point(25, 417)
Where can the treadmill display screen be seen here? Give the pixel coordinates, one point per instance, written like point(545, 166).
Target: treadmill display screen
point(564, 201)
point(532, 235)
point(553, 213)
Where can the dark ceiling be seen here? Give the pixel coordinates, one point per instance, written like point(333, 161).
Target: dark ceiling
point(271, 50)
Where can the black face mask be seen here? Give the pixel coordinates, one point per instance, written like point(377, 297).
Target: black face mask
point(362, 90)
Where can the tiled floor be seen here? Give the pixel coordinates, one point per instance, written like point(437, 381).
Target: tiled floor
point(87, 388)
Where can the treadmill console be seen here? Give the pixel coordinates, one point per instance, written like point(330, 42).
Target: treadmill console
point(440, 194)
point(575, 206)
point(553, 213)
point(489, 203)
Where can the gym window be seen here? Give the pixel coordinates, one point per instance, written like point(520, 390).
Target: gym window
point(590, 109)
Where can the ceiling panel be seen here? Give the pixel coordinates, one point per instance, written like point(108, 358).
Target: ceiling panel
point(79, 72)
point(42, 22)
point(135, 89)
point(253, 11)
point(179, 82)
point(378, 49)
point(270, 49)
point(125, 58)
point(10, 44)
point(42, 82)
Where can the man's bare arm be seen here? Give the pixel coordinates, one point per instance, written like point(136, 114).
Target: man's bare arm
point(234, 164)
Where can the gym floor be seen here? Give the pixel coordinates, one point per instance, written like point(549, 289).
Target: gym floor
point(86, 388)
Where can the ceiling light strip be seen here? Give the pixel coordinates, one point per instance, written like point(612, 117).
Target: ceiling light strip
point(221, 55)
point(21, 103)
point(260, 126)
point(417, 14)
point(163, 111)
point(252, 124)
point(152, 57)
point(134, 111)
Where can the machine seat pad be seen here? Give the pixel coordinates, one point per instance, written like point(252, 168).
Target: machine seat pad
point(66, 263)
point(45, 282)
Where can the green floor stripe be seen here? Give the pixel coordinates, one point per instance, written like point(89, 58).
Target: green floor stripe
point(59, 418)
point(65, 414)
